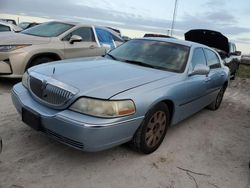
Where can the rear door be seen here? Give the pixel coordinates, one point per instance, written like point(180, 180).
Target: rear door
point(86, 48)
point(196, 87)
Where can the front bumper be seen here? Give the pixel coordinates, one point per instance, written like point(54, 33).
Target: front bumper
point(71, 128)
point(12, 64)
point(5, 67)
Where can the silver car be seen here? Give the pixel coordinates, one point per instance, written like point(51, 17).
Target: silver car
point(9, 27)
point(1, 145)
point(133, 94)
point(52, 41)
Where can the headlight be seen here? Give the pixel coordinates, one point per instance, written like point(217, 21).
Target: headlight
point(25, 79)
point(8, 48)
point(104, 108)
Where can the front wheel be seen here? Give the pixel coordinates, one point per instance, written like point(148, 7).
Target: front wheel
point(153, 129)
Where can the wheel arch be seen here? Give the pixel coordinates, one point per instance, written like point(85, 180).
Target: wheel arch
point(225, 84)
point(51, 55)
point(170, 104)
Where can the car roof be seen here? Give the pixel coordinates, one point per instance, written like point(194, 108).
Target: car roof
point(75, 23)
point(6, 23)
point(176, 41)
point(88, 25)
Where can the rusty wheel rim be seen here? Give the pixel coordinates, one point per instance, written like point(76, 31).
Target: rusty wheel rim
point(155, 128)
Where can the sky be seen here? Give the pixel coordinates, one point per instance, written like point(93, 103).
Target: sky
point(136, 17)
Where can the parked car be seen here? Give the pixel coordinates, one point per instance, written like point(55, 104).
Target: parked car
point(126, 38)
point(8, 27)
point(156, 35)
point(133, 94)
point(1, 145)
point(245, 59)
point(52, 41)
point(116, 30)
point(11, 21)
point(227, 50)
point(26, 25)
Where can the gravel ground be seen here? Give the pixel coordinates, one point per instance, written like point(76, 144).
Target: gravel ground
point(210, 149)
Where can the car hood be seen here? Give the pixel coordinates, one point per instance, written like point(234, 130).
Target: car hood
point(9, 38)
point(210, 38)
point(100, 77)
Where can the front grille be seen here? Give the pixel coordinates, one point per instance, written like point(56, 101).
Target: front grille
point(49, 93)
point(63, 139)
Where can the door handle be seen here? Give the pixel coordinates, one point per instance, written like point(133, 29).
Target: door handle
point(222, 74)
point(92, 47)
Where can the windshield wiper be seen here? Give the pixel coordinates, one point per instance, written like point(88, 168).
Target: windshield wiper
point(140, 63)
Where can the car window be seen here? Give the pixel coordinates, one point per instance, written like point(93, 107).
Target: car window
point(234, 48)
point(85, 32)
point(105, 37)
point(4, 28)
point(212, 59)
point(117, 39)
point(198, 57)
point(23, 25)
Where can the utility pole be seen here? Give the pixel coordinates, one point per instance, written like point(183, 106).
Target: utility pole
point(174, 16)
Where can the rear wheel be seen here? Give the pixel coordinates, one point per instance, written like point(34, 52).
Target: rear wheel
point(153, 129)
point(217, 102)
point(233, 76)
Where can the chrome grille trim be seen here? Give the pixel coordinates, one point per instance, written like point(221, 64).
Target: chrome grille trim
point(56, 95)
point(50, 91)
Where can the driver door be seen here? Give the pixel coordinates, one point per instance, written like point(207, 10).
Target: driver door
point(194, 97)
point(85, 48)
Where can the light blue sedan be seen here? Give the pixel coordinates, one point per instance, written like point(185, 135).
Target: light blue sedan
point(133, 94)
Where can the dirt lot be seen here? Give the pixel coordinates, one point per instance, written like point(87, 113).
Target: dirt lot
point(215, 146)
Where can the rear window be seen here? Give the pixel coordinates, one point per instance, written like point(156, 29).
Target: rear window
point(212, 59)
point(198, 57)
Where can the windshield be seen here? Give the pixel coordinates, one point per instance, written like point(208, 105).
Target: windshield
point(157, 54)
point(50, 29)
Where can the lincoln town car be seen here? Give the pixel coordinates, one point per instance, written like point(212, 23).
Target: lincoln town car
point(133, 94)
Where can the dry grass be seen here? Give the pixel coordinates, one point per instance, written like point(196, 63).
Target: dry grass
point(244, 71)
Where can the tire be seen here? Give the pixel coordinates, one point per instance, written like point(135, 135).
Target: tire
point(217, 102)
point(39, 60)
point(152, 131)
point(233, 76)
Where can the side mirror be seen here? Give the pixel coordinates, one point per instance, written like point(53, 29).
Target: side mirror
point(236, 53)
point(200, 69)
point(75, 38)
